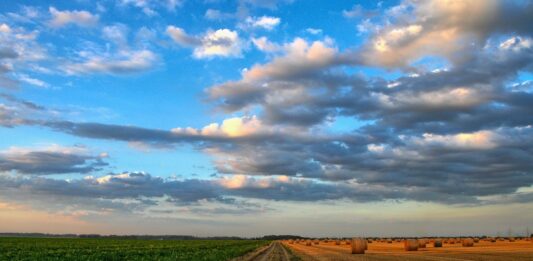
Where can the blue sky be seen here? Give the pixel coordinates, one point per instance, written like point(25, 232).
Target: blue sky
point(215, 112)
point(173, 86)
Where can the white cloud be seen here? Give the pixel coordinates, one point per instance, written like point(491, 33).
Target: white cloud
point(117, 34)
point(516, 43)
point(124, 62)
point(476, 140)
point(19, 50)
point(181, 37)
point(80, 18)
point(357, 10)
point(172, 4)
point(263, 44)
point(48, 148)
point(149, 6)
point(232, 127)
point(4, 28)
point(265, 22)
point(245, 181)
point(222, 42)
point(300, 57)
point(459, 97)
point(27, 79)
point(314, 31)
point(366, 26)
point(213, 14)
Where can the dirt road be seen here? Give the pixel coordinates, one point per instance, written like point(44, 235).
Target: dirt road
point(274, 252)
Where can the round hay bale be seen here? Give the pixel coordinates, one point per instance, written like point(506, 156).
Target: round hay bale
point(389, 241)
point(291, 241)
point(337, 242)
point(410, 245)
point(511, 239)
point(358, 245)
point(308, 243)
point(348, 242)
point(476, 240)
point(422, 243)
point(437, 243)
point(468, 242)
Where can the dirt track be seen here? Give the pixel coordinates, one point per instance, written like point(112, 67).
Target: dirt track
point(274, 252)
point(486, 251)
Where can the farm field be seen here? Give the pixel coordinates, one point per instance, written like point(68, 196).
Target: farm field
point(487, 251)
point(123, 249)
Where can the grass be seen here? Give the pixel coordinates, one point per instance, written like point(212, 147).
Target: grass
point(123, 249)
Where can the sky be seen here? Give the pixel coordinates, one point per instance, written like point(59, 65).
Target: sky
point(255, 117)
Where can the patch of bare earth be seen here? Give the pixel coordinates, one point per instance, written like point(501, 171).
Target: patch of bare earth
point(274, 252)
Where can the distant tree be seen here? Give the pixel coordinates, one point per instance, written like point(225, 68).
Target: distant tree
point(281, 237)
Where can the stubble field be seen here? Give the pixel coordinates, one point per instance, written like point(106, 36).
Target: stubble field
point(487, 251)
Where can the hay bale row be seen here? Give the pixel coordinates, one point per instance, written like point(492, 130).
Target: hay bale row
point(468, 242)
point(410, 245)
point(359, 245)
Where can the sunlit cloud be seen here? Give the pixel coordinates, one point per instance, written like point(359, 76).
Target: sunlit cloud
point(80, 18)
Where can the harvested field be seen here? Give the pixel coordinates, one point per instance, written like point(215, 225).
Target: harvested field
point(486, 251)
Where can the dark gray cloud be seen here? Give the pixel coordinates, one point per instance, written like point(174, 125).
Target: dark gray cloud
point(5, 81)
point(27, 104)
point(123, 192)
point(137, 191)
point(7, 53)
point(52, 160)
point(121, 186)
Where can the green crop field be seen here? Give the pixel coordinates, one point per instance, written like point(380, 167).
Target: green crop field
point(123, 249)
